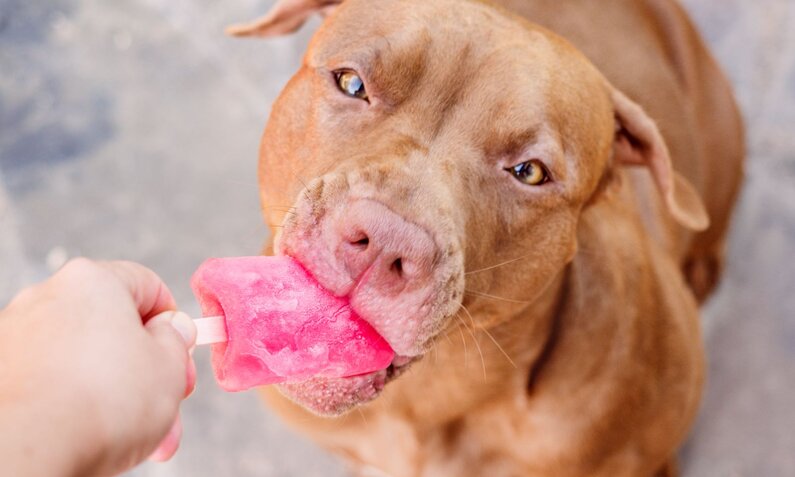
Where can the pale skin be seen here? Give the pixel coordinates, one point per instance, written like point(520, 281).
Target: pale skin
point(94, 363)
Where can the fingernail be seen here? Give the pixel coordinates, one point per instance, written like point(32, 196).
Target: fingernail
point(184, 325)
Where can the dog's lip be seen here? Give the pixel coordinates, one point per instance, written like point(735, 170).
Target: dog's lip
point(374, 380)
point(380, 378)
point(336, 396)
point(398, 366)
point(361, 315)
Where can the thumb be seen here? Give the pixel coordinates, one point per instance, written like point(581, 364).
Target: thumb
point(175, 332)
point(163, 326)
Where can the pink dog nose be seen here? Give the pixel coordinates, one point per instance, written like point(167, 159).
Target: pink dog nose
point(381, 248)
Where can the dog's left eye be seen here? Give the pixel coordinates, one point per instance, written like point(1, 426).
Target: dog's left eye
point(530, 172)
point(351, 84)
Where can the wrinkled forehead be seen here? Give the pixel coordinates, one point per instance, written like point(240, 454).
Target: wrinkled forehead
point(405, 47)
point(469, 56)
point(403, 36)
point(400, 26)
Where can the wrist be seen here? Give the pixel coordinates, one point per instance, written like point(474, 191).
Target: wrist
point(43, 432)
point(37, 440)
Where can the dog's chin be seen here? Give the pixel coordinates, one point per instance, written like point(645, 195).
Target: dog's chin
point(332, 397)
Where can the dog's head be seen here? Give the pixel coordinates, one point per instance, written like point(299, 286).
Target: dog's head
point(429, 154)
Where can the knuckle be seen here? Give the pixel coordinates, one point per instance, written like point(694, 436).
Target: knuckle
point(127, 263)
point(78, 276)
point(127, 267)
point(79, 266)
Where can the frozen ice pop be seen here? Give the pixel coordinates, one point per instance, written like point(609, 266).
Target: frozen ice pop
point(272, 322)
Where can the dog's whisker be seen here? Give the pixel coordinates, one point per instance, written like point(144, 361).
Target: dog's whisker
point(507, 262)
point(288, 212)
point(502, 350)
point(464, 342)
point(366, 424)
point(486, 295)
point(303, 183)
point(285, 211)
point(475, 339)
point(447, 337)
point(299, 179)
point(466, 327)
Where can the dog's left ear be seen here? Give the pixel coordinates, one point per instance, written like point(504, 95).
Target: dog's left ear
point(638, 141)
point(285, 17)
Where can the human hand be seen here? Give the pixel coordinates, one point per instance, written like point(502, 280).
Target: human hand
point(94, 363)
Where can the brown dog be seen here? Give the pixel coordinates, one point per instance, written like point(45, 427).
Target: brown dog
point(463, 176)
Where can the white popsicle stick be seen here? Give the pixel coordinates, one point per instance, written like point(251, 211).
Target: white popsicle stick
point(210, 329)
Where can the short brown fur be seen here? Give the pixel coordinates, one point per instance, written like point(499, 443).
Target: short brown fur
point(565, 340)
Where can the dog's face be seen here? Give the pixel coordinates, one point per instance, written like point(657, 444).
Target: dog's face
point(426, 156)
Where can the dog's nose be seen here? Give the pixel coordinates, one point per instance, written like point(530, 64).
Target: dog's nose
point(383, 249)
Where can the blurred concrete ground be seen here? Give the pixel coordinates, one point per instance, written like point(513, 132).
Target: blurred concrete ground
point(129, 129)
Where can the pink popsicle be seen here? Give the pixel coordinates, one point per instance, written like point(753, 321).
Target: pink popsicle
point(281, 325)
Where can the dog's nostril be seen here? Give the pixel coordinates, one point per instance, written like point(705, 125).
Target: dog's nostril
point(361, 242)
point(397, 266)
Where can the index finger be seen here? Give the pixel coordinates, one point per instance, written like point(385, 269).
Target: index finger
point(150, 294)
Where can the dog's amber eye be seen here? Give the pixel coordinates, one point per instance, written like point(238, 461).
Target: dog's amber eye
point(351, 84)
point(530, 172)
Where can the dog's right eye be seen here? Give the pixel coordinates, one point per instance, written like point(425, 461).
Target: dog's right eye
point(351, 84)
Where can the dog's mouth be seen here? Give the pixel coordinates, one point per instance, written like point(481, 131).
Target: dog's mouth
point(335, 396)
point(408, 308)
point(398, 366)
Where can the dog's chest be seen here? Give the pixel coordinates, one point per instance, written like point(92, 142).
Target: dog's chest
point(388, 446)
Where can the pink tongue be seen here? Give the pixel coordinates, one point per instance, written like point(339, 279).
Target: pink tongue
point(282, 325)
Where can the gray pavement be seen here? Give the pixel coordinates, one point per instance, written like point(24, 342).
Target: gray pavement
point(129, 129)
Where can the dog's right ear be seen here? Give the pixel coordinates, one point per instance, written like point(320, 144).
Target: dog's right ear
point(285, 17)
